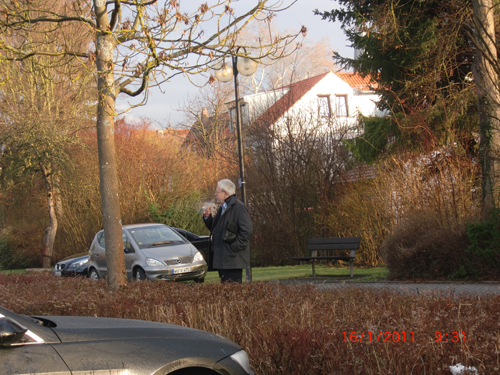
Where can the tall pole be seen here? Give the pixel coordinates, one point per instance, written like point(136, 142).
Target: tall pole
point(223, 74)
point(248, 270)
point(238, 132)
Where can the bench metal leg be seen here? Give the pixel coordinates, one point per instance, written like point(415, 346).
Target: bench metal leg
point(352, 271)
point(314, 270)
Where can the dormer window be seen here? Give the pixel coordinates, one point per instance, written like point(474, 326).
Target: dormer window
point(324, 106)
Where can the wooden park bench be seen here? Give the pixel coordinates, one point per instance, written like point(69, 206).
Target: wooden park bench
point(323, 248)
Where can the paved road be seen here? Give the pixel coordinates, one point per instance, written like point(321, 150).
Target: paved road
point(491, 288)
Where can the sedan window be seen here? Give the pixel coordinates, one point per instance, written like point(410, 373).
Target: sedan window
point(151, 236)
point(126, 241)
point(101, 240)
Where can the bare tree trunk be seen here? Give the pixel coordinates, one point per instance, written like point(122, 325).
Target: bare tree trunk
point(51, 230)
point(486, 79)
point(58, 199)
point(105, 45)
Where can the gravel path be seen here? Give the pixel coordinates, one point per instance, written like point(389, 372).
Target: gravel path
point(483, 288)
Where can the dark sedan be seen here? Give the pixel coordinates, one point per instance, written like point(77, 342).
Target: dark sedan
point(202, 243)
point(67, 345)
point(75, 265)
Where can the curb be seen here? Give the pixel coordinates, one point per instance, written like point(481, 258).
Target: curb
point(319, 280)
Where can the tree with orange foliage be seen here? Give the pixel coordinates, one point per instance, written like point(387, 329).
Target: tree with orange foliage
point(136, 45)
point(43, 102)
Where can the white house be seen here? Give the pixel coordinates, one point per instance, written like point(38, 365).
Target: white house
point(333, 99)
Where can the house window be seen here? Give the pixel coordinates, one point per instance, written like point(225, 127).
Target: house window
point(341, 108)
point(324, 107)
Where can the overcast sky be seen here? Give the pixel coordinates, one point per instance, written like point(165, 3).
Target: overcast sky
point(161, 107)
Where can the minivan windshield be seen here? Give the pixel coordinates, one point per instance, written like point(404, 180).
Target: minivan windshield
point(155, 235)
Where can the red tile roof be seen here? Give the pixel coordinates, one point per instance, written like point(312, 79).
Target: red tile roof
point(357, 81)
point(296, 91)
point(180, 133)
point(299, 89)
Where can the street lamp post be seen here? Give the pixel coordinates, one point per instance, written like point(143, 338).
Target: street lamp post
point(247, 67)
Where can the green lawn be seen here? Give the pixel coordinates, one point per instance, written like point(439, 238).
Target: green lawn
point(300, 271)
point(304, 271)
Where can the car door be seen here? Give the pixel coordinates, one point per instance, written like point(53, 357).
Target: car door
point(99, 253)
point(32, 359)
point(130, 254)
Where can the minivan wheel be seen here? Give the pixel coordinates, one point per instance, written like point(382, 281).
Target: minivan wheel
point(93, 274)
point(139, 274)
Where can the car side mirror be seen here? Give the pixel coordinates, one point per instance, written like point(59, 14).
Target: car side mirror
point(11, 332)
point(128, 249)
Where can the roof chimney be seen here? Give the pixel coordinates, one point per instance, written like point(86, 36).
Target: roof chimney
point(204, 113)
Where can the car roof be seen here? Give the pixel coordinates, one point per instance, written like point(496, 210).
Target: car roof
point(143, 225)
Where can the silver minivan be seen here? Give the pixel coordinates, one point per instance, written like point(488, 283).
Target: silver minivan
point(153, 251)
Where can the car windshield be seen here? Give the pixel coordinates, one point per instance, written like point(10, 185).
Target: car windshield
point(158, 235)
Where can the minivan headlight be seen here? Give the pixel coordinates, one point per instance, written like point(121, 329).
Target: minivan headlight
point(154, 262)
point(197, 257)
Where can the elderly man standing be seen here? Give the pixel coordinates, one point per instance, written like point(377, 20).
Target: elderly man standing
point(230, 231)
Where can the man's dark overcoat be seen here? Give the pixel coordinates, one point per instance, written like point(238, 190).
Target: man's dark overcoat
point(237, 254)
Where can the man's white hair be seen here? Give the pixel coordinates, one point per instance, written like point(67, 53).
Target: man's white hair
point(227, 186)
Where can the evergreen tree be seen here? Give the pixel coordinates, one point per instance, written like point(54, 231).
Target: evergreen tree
point(420, 54)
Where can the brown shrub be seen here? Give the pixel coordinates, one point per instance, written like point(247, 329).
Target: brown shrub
point(357, 211)
point(16, 247)
point(427, 200)
point(421, 247)
point(22, 229)
point(292, 166)
point(153, 172)
point(292, 329)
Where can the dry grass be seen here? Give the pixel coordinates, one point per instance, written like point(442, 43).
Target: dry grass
point(289, 329)
point(423, 248)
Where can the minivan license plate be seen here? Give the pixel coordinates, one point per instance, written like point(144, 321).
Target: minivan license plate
point(181, 270)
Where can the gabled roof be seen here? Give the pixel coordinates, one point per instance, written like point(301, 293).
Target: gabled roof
point(205, 125)
point(178, 133)
point(296, 91)
point(357, 81)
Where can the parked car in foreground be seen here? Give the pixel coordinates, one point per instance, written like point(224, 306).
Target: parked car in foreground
point(153, 251)
point(69, 345)
point(75, 265)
